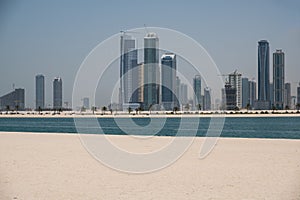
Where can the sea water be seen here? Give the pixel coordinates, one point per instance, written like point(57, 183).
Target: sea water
point(243, 127)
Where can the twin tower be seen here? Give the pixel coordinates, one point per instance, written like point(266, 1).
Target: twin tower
point(146, 85)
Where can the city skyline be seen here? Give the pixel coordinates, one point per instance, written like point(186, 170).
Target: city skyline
point(55, 47)
point(279, 96)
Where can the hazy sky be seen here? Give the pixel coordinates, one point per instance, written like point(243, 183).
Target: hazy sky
point(54, 37)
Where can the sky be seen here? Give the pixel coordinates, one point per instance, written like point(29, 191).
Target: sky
point(54, 37)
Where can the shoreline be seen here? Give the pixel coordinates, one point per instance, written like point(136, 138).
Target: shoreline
point(146, 115)
point(142, 136)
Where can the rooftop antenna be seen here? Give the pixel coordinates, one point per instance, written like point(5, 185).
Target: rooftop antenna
point(13, 85)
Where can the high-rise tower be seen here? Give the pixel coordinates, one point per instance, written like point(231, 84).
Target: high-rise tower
point(207, 99)
point(235, 81)
point(278, 79)
point(252, 93)
point(39, 91)
point(168, 79)
point(287, 96)
point(128, 64)
point(245, 92)
point(151, 71)
point(263, 75)
point(57, 93)
point(197, 91)
point(298, 94)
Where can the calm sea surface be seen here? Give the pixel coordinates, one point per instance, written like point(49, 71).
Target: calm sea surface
point(252, 127)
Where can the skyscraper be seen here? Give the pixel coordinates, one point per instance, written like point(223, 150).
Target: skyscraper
point(230, 97)
point(207, 99)
point(168, 79)
point(287, 96)
point(39, 92)
point(235, 82)
point(298, 94)
point(14, 100)
point(252, 93)
point(263, 75)
point(177, 98)
point(197, 91)
point(151, 71)
point(278, 79)
point(57, 93)
point(223, 99)
point(128, 76)
point(245, 92)
point(140, 70)
point(183, 94)
point(272, 98)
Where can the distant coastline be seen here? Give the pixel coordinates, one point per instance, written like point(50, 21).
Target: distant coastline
point(119, 114)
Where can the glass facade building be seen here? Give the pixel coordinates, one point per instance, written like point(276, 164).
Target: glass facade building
point(168, 80)
point(252, 93)
point(14, 100)
point(207, 99)
point(57, 93)
point(39, 92)
point(197, 91)
point(245, 92)
point(235, 81)
point(278, 79)
point(287, 96)
point(128, 71)
point(263, 74)
point(151, 71)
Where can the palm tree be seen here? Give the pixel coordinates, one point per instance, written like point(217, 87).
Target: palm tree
point(94, 108)
point(129, 110)
point(82, 109)
point(298, 106)
point(187, 107)
point(175, 109)
point(7, 109)
point(199, 106)
point(273, 108)
point(17, 108)
point(287, 107)
point(150, 108)
point(39, 109)
point(248, 106)
point(140, 109)
point(104, 108)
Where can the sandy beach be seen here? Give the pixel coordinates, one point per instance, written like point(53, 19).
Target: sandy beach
point(57, 166)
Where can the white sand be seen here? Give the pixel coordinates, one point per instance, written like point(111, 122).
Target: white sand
point(56, 166)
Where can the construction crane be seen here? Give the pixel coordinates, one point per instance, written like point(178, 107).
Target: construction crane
point(124, 32)
point(235, 72)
